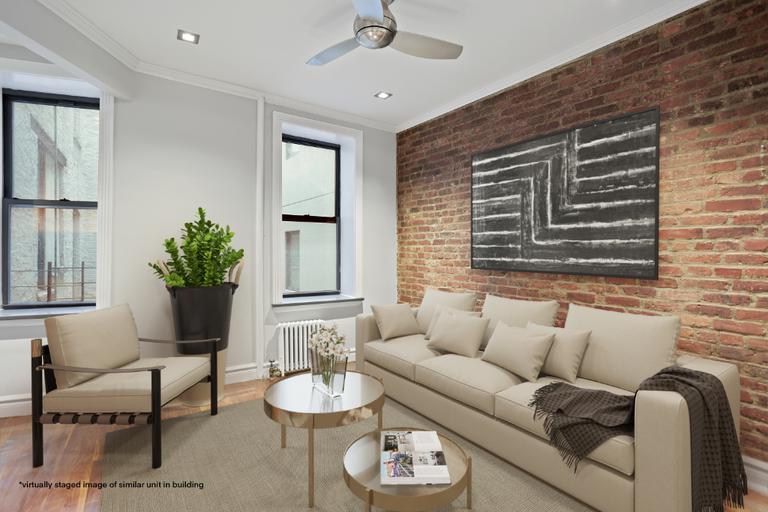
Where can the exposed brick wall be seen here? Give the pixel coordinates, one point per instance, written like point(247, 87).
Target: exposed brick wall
point(707, 70)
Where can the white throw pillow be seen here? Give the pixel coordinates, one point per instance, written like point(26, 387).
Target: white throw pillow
point(464, 301)
point(564, 358)
point(518, 350)
point(445, 310)
point(395, 320)
point(459, 334)
point(517, 313)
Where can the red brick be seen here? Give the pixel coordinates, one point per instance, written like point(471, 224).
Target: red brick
point(733, 205)
point(706, 69)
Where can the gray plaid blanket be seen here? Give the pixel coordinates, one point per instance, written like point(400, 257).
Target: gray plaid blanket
point(578, 420)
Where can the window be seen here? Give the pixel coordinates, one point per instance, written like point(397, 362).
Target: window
point(310, 213)
point(50, 176)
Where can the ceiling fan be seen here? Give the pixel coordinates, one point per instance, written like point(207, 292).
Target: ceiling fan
point(375, 27)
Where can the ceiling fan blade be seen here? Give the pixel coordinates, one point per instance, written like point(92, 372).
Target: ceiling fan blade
point(425, 47)
point(369, 9)
point(333, 53)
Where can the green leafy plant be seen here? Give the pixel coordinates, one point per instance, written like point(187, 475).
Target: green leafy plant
point(205, 258)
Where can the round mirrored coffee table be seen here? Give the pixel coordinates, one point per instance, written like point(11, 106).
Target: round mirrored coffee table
point(362, 467)
point(294, 402)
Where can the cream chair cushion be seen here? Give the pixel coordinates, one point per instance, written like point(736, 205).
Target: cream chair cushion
point(512, 406)
point(129, 392)
point(395, 320)
point(440, 310)
point(432, 298)
point(518, 350)
point(399, 355)
point(105, 338)
point(468, 380)
point(458, 334)
point(568, 347)
point(516, 313)
point(624, 349)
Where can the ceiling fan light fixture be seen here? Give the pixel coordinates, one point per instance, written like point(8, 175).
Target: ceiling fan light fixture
point(383, 95)
point(187, 37)
point(375, 34)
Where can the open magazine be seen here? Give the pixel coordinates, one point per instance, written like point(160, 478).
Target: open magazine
point(412, 458)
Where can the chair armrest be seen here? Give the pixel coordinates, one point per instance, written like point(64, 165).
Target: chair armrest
point(58, 368)
point(365, 330)
point(183, 342)
point(663, 440)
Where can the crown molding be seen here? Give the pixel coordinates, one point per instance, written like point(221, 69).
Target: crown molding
point(248, 92)
point(671, 8)
point(66, 12)
point(77, 20)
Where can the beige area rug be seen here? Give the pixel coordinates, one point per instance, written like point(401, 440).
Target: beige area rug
point(236, 456)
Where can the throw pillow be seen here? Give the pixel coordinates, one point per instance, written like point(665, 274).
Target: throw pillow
point(517, 313)
point(445, 310)
point(458, 334)
point(464, 301)
point(564, 358)
point(518, 350)
point(395, 320)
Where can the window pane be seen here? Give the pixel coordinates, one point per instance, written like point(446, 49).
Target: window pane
point(55, 152)
point(52, 255)
point(310, 257)
point(309, 180)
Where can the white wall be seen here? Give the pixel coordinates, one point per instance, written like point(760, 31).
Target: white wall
point(178, 147)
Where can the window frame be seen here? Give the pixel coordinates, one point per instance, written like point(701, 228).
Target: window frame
point(11, 96)
point(336, 219)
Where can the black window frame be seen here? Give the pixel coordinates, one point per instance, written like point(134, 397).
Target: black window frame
point(336, 219)
point(11, 96)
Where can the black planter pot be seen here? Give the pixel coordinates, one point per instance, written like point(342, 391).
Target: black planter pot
point(202, 312)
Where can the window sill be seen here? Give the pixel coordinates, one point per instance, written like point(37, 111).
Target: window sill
point(323, 307)
point(316, 299)
point(42, 312)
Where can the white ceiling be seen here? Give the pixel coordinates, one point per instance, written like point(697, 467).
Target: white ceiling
point(263, 45)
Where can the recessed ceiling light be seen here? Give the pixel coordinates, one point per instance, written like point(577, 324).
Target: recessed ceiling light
point(382, 95)
point(187, 37)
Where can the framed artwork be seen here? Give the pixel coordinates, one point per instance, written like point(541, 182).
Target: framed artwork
point(583, 201)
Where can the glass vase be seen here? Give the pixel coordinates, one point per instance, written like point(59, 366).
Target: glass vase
point(328, 373)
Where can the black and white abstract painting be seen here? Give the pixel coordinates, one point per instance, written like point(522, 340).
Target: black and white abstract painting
point(583, 201)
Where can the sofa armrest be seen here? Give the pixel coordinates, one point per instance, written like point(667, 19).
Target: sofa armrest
point(663, 440)
point(365, 330)
point(728, 375)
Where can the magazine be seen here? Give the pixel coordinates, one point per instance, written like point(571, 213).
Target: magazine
point(412, 458)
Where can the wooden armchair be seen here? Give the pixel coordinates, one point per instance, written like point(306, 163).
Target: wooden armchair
point(94, 375)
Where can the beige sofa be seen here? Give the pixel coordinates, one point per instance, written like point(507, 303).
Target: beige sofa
point(488, 405)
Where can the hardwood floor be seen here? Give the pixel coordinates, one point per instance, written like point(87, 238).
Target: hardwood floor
point(73, 454)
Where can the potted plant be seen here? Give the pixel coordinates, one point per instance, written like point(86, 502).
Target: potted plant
point(201, 277)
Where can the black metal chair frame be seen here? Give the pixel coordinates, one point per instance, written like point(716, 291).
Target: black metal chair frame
point(42, 368)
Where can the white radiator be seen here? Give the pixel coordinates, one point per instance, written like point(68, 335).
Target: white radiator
point(294, 337)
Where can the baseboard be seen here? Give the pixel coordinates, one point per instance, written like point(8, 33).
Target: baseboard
point(757, 475)
point(15, 405)
point(243, 373)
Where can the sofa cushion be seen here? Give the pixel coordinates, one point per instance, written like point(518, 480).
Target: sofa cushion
point(458, 334)
point(439, 311)
point(105, 338)
point(399, 355)
point(512, 406)
point(469, 380)
point(129, 392)
point(565, 355)
point(432, 298)
point(518, 350)
point(624, 349)
point(395, 320)
point(516, 313)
